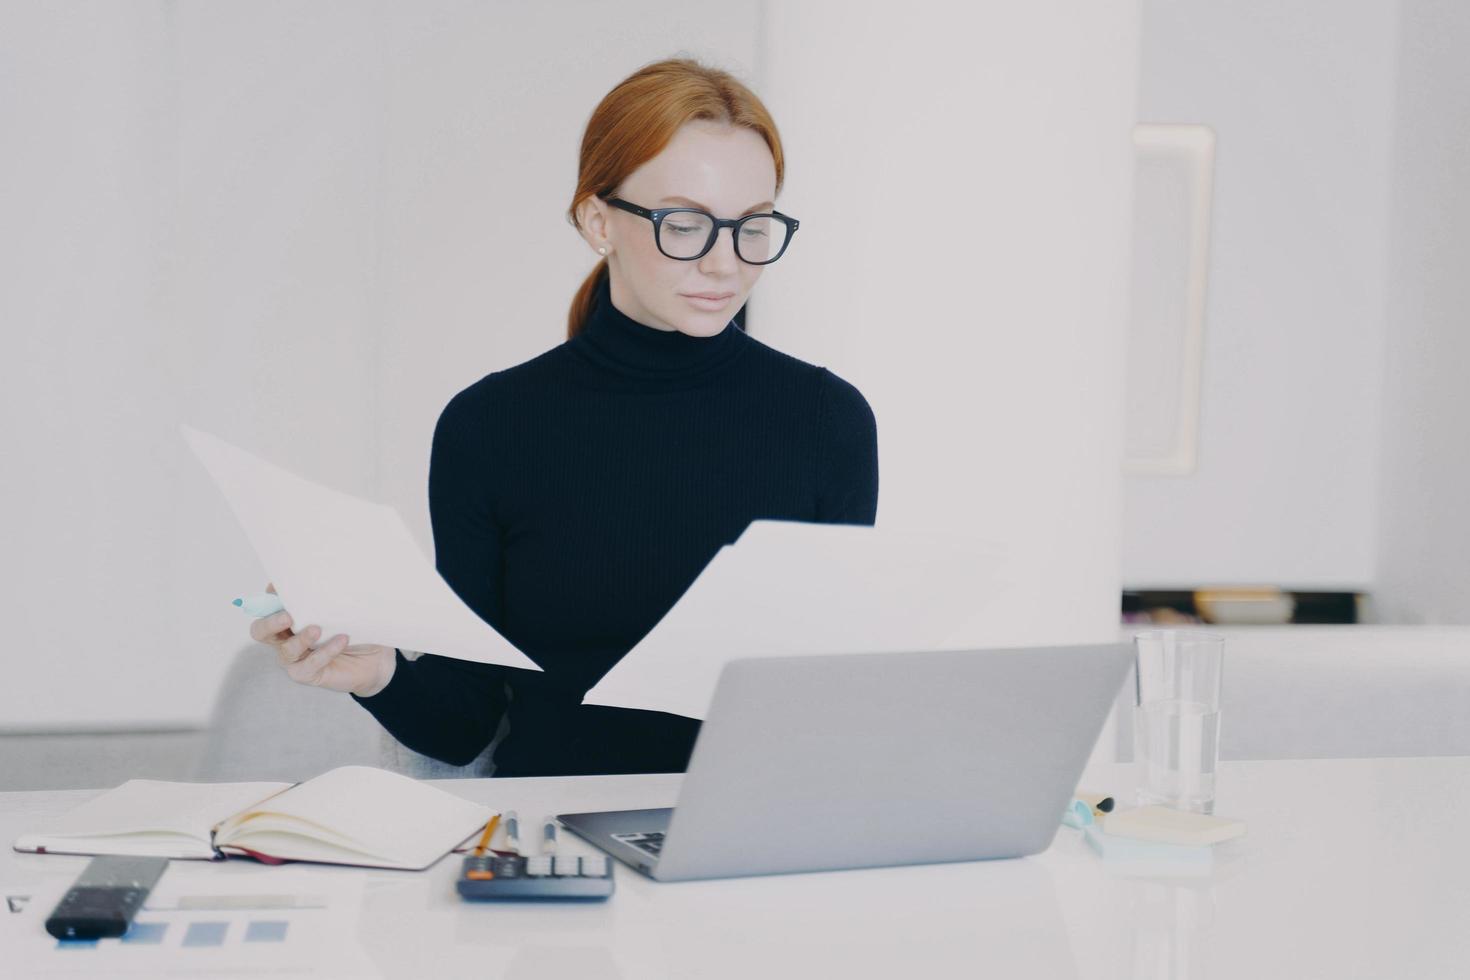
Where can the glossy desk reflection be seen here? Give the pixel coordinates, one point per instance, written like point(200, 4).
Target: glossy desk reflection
point(1351, 868)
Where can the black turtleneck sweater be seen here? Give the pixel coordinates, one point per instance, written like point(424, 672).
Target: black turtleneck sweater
point(574, 497)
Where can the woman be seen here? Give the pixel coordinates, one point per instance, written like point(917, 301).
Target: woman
point(574, 497)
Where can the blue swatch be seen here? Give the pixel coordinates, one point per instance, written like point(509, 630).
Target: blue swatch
point(206, 934)
point(76, 943)
point(145, 932)
point(265, 931)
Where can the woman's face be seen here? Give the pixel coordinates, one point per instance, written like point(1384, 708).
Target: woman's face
point(725, 170)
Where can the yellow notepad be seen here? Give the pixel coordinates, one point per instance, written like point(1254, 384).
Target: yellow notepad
point(1170, 826)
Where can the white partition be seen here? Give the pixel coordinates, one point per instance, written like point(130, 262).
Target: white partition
point(963, 174)
point(1424, 532)
point(1326, 692)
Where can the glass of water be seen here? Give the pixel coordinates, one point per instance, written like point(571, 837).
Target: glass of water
point(1176, 717)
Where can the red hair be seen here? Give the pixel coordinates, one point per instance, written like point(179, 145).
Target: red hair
point(637, 119)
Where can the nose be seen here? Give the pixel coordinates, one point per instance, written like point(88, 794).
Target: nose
point(721, 257)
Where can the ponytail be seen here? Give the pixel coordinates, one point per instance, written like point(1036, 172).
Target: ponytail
point(582, 302)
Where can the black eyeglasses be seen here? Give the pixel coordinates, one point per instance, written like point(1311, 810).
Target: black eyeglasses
point(688, 233)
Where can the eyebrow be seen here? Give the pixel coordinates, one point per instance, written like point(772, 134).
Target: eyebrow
point(695, 204)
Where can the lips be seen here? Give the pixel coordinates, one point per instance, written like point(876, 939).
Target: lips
point(716, 297)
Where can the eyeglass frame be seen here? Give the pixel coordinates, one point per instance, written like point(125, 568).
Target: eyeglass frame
point(656, 215)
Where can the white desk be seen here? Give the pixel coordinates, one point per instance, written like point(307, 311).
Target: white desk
point(1351, 868)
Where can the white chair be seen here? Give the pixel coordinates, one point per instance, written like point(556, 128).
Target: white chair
point(266, 726)
point(393, 754)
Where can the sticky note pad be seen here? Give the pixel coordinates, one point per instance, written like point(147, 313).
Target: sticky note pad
point(1149, 857)
point(1169, 826)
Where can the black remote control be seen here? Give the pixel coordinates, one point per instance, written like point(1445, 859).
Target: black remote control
point(103, 900)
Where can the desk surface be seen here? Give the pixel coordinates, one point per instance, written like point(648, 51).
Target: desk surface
point(1351, 868)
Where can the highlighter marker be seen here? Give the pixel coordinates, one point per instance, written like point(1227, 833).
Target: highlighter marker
point(260, 604)
point(1078, 814)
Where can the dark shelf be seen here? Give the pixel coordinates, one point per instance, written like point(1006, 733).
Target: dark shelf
point(1311, 607)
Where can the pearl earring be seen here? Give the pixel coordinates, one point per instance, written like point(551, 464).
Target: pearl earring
point(602, 250)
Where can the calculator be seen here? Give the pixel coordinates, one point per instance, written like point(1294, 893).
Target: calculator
point(496, 877)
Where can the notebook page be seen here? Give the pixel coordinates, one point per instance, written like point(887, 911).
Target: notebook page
point(151, 807)
point(292, 846)
point(379, 812)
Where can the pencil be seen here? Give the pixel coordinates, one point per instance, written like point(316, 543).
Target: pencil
point(485, 838)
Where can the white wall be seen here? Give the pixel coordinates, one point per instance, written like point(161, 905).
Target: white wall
point(1300, 96)
point(304, 227)
point(1424, 573)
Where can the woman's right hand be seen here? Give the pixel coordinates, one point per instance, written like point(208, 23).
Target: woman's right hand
point(363, 670)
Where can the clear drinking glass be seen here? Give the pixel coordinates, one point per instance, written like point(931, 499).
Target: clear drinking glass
point(1176, 717)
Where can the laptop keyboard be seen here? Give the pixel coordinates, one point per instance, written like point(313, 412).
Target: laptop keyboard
point(651, 842)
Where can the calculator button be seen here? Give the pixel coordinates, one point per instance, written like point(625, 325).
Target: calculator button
point(594, 867)
point(564, 867)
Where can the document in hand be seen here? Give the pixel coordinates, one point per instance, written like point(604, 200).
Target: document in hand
point(354, 815)
point(794, 587)
point(346, 564)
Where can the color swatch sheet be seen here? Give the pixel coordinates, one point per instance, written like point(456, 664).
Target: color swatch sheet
point(346, 564)
point(796, 587)
point(204, 919)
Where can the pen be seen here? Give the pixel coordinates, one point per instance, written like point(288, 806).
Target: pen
point(260, 604)
point(548, 836)
point(485, 838)
point(512, 832)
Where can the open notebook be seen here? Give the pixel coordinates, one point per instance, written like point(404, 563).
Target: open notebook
point(349, 815)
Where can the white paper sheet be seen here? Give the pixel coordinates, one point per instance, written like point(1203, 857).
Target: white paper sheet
point(792, 587)
point(346, 564)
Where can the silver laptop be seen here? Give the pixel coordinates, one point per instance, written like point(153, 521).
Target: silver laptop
point(821, 762)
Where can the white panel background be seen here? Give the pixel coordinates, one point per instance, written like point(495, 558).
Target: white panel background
point(300, 226)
